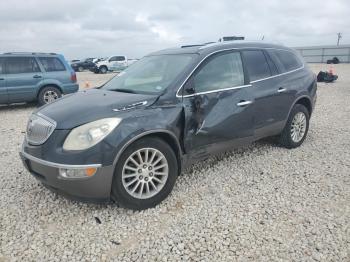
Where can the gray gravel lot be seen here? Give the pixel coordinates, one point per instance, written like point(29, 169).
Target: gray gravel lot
point(260, 203)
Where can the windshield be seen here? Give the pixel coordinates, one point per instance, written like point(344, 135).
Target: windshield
point(151, 74)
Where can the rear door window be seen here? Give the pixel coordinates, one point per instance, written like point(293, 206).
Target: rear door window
point(256, 64)
point(20, 65)
point(117, 58)
point(120, 58)
point(220, 72)
point(287, 60)
point(52, 64)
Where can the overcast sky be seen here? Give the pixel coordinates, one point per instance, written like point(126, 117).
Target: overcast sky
point(99, 28)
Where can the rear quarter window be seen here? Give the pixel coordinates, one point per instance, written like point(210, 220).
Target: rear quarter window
point(52, 64)
point(256, 64)
point(287, 60)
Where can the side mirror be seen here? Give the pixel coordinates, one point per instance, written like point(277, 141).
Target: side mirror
point(189, 87)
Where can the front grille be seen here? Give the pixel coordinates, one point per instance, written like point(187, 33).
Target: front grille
point(39, 129)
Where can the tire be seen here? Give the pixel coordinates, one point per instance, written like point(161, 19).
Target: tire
point(286, 138)
point(48, 94)
point(103, 69)
point(121, 192)
point(80, 69)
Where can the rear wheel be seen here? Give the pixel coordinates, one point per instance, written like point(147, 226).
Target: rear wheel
point(145, 174)
point(80, 69)
point(48, 95)
point(295, 131)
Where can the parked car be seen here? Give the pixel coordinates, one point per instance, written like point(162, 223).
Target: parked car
point(129, 140)
point(41, 77)
point(85, 64)
point(113, 63)
point(334, 60)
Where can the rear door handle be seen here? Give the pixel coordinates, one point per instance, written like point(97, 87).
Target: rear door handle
point(36, 76)
point(244, 103)
point(281, 90)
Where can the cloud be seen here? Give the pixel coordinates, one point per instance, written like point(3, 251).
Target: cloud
point(83, 28)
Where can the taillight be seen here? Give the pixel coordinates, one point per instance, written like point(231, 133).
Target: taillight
point(73, 77)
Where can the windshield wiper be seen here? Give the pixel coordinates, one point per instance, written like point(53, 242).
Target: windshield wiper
point(124, 90)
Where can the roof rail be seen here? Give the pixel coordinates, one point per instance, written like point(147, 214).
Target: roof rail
point(185, 46)
point(28, 53)
point(209, 43)
point(194, 45)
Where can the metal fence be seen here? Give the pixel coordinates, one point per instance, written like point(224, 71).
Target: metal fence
point(320, 54)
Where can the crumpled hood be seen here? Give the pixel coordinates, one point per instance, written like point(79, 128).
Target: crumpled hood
point(86, 106)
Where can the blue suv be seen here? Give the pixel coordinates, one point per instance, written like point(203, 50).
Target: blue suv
point(29, 77)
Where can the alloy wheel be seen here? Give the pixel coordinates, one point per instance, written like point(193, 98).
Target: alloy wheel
point(50, 96)
point(298, 127)
point(145, 173)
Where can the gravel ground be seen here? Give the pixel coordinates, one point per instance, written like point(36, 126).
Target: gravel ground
point(87, 79)
point(260, 203)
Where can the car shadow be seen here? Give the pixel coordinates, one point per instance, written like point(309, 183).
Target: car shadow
point(18, 106)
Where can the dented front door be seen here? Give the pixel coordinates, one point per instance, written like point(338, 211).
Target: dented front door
point(219, 114)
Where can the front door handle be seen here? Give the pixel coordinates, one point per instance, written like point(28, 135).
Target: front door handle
point(281, 90)
point(36, 76)
point(244, 103)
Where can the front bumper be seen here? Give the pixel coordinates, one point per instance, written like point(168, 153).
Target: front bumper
point(89, 189)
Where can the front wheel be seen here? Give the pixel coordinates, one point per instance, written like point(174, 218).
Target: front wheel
point(103, 70)
point(297, 126)
point(145, 174)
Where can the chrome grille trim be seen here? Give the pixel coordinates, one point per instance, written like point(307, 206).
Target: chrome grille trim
point(39, 129)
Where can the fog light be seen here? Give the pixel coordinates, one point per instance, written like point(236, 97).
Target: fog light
point(77, 173)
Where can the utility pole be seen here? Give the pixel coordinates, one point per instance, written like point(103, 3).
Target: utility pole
point(339, 37)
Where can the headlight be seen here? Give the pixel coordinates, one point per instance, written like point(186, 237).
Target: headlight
point(88, 135)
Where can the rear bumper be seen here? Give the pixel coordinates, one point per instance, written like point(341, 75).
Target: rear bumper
point(89, 189)
point(70, 88)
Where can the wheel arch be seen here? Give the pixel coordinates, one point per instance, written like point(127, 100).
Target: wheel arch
point(169, 137)
point(305, 101)
point(99, 67)
point(47, 85)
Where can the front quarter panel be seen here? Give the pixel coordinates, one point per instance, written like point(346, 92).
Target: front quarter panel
point(135, 125)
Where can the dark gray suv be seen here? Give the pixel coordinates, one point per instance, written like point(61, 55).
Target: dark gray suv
point(129, 140)
point(40, 77)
